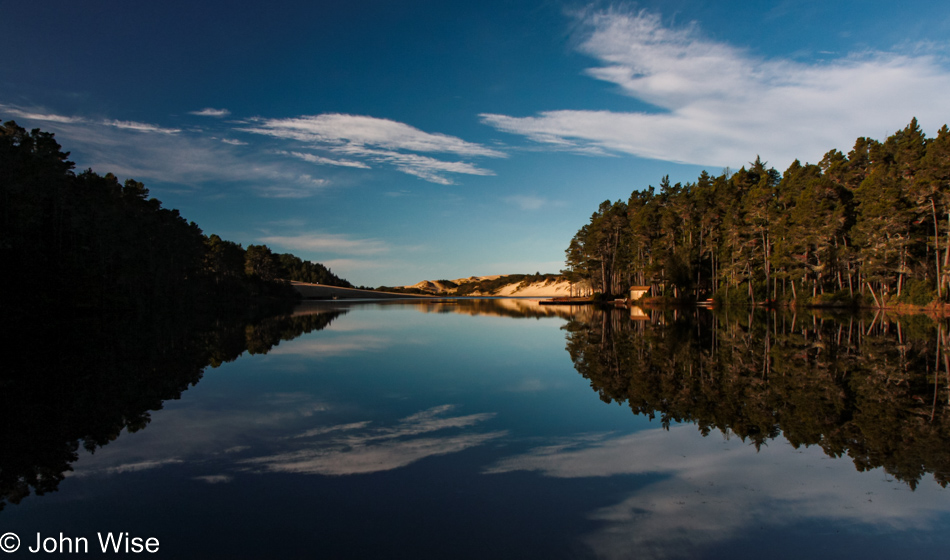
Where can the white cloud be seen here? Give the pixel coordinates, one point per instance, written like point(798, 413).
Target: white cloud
point(141, 127)
point(327, 243)
point(32, 114)
point(149, 152)
point(526, 202)
point(215, 478)
point(376, 140)
point(131, 467)
point(302, 187)
point(338, 129)
point(721, 105)
point(193, 156)
point(327, 161)
point(46, 117)
point(424, 167)
point(209, 112)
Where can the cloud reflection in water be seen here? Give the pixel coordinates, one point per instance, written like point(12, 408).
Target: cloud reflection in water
point(376, 449)
point(715, 489)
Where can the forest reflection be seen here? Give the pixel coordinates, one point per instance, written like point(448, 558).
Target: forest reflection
point(874, 388)
point(80, 381)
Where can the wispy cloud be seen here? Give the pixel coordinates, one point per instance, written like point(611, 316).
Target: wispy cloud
point(303, 186)
point(131, 467)
point(141, 127)
point(209, 112)
point(327, 161)
point(424, 167)
point(215, 478)
point(528, 202)
point(152, 152)
point(717, 104)
point(208, 154)
point(328, 243)
point(376, 140)
point(339, 129)
point(46, 117)
point(64, 119)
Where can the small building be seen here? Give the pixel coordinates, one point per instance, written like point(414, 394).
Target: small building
point(637, 292)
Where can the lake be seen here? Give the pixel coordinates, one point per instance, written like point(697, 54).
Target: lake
point(482, 429)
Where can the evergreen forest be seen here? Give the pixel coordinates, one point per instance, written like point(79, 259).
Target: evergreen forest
point(866, 228)
point(86, 240)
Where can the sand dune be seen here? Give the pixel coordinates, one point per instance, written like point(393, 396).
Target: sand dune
point(536, 289)
point(550, 288)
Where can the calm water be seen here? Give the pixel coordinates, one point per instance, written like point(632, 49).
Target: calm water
point(494, 429)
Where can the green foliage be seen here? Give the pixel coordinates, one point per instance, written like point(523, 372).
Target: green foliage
point(261, 263)
point(734, 296)
point(90, 241)
point(599, 254)
point(841, 298)
point(298, 270)
point(917, 292)
point(874, 221)
point(402, 290)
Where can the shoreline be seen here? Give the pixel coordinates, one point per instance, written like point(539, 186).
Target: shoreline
point(321, 292)
point(311, 292)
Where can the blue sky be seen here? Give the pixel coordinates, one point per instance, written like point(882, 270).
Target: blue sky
point(401, 141)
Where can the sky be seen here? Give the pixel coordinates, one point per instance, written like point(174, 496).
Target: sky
point(397, 141)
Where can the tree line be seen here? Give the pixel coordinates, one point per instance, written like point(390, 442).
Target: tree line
point(88, 240)
point(870, 227)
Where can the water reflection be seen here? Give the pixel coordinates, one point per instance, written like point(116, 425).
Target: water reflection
point(358, 448)
point(514, 308)
point(105, 375)
point(78, 382)
point(713, 491)
point(459, 429)
point(874, 389)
